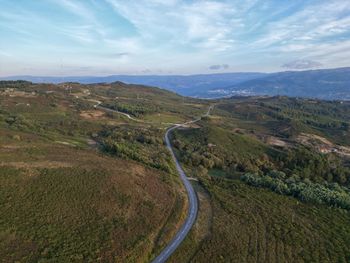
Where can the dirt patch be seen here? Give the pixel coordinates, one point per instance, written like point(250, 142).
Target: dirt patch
point(199, 106)
point(15, 93)
point(344, 151)
point(323, 145)
point(10, 147)
point(138, 170)
point(65, 143)
point(91, 143)
point(92, 114)
point(268, 139)
point(43, 164)
point(275, 141)
point(191, 125)
point(313, 138)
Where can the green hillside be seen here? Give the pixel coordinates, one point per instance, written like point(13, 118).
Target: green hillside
point(293, 156)
point(80, 183)
point(64, 198)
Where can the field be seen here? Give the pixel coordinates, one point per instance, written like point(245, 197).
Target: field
point(252, 225)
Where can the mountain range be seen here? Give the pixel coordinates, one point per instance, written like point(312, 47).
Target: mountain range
point(323, 83)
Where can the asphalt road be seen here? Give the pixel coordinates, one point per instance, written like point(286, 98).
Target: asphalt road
point(191, 194)
point(111, 110)
point(192, 200)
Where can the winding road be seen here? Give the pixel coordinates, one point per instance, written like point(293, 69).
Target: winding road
point(191, 194)
point(116, 111)
point(192, 199)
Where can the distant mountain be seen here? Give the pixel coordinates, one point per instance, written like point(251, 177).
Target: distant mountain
point(322, 84)
point(188, 85)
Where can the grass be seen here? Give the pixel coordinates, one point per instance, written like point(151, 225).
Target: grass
point(201, 230)
point(92, 209)
point(257, 225)
point(217, 173)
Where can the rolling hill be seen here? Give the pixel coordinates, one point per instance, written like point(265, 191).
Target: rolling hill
point(187, 85)
point(322, 84)
point(81, 184)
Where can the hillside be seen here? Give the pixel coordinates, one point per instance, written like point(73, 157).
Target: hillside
point(63, 197)
point(277, 172)
point(86, 184)
point(187, 85)
point(326, 84)
point(321, 84)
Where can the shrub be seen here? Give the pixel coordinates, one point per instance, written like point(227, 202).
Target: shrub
point(307, 191)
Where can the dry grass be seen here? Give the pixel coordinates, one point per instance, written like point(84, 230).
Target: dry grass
point(141, 199)
point(92, 114)
point(38, 164)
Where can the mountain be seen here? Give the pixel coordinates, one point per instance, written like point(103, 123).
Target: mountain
point(322, 84)
point(188, 85)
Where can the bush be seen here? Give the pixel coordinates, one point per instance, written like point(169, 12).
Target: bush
point(307, 191)
point(141, 145)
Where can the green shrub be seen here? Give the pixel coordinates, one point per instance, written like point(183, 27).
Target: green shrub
point(307, 191)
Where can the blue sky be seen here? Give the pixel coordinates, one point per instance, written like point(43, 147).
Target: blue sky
point(103, 37)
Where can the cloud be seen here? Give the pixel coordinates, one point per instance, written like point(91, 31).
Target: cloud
point(117, 55)
point(201, 24)
point(76, 8)
point(302, 64)
point(5, 54)
point(146, 71)
point(178, 35)
point(320, 21)
point(219, 67)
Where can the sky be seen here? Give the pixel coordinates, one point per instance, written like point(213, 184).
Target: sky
point(105, 37)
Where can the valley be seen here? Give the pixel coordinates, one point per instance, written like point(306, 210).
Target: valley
point(202, 131)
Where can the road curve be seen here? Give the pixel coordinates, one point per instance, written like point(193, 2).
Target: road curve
point(192, 200)
point(191, 194)
point(116, 111)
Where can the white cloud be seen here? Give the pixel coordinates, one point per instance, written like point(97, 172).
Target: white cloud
point(76, 8)
point(302, 64)
point(5, 54)
point(201, 24)
point(185, 35)
point(314, 22)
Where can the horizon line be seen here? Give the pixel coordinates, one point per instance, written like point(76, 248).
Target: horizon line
point(160, 75)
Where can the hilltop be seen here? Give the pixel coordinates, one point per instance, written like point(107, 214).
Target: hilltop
point(321, 84)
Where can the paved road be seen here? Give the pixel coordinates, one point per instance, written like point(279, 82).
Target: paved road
point(192, 200)
point(191, 194)
point(122, 113)
point(97, 106)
